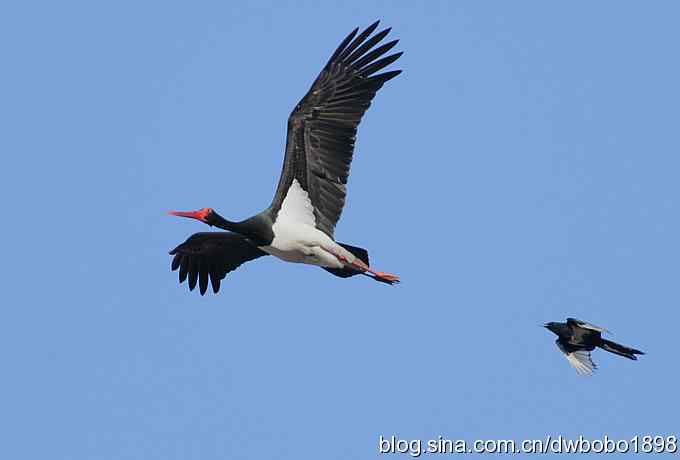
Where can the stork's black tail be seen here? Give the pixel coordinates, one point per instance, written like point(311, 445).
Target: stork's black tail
point(346, 272)
point(620, 350)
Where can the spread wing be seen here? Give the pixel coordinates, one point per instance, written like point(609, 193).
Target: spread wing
point(577, 322)
point(322, 128)
point(211, 255)
point(578, 359)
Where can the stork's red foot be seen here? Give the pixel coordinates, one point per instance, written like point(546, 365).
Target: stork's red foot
point(386, 277)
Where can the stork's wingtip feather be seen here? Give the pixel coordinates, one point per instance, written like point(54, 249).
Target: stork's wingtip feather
point(387, 76)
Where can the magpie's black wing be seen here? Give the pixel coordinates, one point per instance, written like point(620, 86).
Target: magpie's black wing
point(577, 322)
point(211, 255)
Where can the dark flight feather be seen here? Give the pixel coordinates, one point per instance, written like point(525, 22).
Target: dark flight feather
point(322, 128)
point(209, 256)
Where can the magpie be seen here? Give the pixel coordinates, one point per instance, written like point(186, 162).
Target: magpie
point(576, 339)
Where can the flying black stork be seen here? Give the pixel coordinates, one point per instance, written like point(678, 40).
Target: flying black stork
point(298, 226)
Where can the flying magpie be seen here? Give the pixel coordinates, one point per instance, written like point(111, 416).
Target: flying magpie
point(576, 339)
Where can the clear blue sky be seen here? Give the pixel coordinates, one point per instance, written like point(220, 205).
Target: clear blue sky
point(523, 168)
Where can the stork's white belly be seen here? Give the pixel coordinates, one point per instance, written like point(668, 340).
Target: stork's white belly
point(296, 238)
point(314, 255)
point(304, 244)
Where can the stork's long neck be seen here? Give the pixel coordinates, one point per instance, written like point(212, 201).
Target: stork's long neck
point(257, 228)
point(220, 222)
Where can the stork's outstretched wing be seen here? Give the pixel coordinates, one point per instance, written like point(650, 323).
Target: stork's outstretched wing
point(322, 127)
point(211, 255)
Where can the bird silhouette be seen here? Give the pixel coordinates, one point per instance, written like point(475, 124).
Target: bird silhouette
point(299, 224)
point(576, 339)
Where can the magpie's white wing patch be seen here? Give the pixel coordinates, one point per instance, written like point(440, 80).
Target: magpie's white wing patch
point(585, 325)
point(579, 360)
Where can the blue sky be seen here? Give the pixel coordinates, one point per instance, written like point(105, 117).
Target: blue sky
point(523, 168)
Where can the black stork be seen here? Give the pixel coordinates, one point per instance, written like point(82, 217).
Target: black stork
point(576, 339)
point(298, 226)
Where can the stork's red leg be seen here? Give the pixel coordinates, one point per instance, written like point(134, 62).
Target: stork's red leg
point(359, 265)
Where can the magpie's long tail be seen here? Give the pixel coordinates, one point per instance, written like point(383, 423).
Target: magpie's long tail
point(620, 350)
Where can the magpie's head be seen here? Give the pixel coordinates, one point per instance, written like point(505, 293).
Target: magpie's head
point(553, 327)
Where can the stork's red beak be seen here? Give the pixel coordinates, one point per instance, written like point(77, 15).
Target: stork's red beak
point(201, 214)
